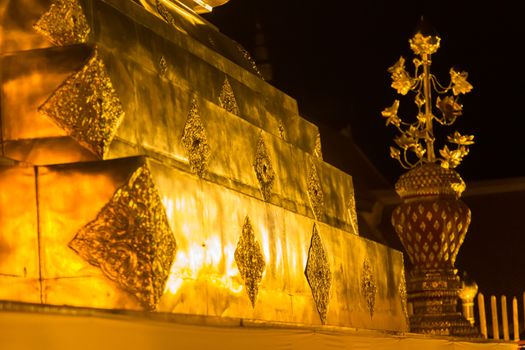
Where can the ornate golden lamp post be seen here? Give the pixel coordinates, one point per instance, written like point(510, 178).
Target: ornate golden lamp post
point(432, 221)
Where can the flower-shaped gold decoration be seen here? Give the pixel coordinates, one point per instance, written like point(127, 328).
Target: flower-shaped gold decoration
point(415, 144)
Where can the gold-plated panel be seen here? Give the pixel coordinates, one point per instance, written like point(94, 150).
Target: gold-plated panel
point(86, 107)
point(130, 239)
point(250, 260)
point(19, 244)
point(318, 274)
point(61, 190)
point(227, 98)
point(64, 23)
point(28, 79)
point(263, 168)
point(195, 141)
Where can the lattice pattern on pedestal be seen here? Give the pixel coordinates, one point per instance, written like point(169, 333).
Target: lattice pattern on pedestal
point(130, 240)
point(432, 231)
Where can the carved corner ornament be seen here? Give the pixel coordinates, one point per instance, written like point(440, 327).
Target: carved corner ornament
point(352, 211)
point(64, 23)
point(250, 260)
point(130, 240)
point(402, 289)
point(87, 107)
point(195, 141)
point(315, 192)
point(282, 131)
point(318, 274)
point(318, 151)
point(227, 98)
point(264, 169)
point(368, 286)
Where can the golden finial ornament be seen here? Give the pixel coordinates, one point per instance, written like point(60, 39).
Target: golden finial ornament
point(416, 143)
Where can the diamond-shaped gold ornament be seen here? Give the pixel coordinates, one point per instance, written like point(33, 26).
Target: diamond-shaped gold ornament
point(318, 274)
point(315, 192)
point(64, 23)
point(227, 98)
point(263, 168)
point(87, 107)
point(130, 240)
point(195, 141)
point(250, 260)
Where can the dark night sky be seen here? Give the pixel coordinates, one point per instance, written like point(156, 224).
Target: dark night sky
point(332, 57)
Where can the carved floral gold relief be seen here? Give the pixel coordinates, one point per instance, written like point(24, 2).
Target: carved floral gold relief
point(87, 107)
point(368, 286)
point(64, 23)
point(318, 274)
point(250, 260)
point(227, 98)
point(195, 141)
point(163, 67)
point(130, 240)
point(402, 289)
point(315, 192)
point(264, 169)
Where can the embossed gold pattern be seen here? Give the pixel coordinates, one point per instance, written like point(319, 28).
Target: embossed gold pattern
point(282, 130)
point(402, 289)
point(263, 168)
point(318, 151)
point(130, 240)
point(195, 141)
point(227, 98)
point(250, 260)
point(87, 107)
point(64, 23)
point(368, 286)
point(318, 274)
point(315, 192)
point(163, 67)
point(430, 180)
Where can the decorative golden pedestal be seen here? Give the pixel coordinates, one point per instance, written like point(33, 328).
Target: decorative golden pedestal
point(432, 223)
point(149, 167)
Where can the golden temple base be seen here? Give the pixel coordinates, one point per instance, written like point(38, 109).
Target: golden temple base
point(434, 297)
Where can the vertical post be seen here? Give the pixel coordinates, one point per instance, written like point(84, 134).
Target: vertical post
point(482, 316)
point(494, 311)
point(515, 322)
point(505, 318)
